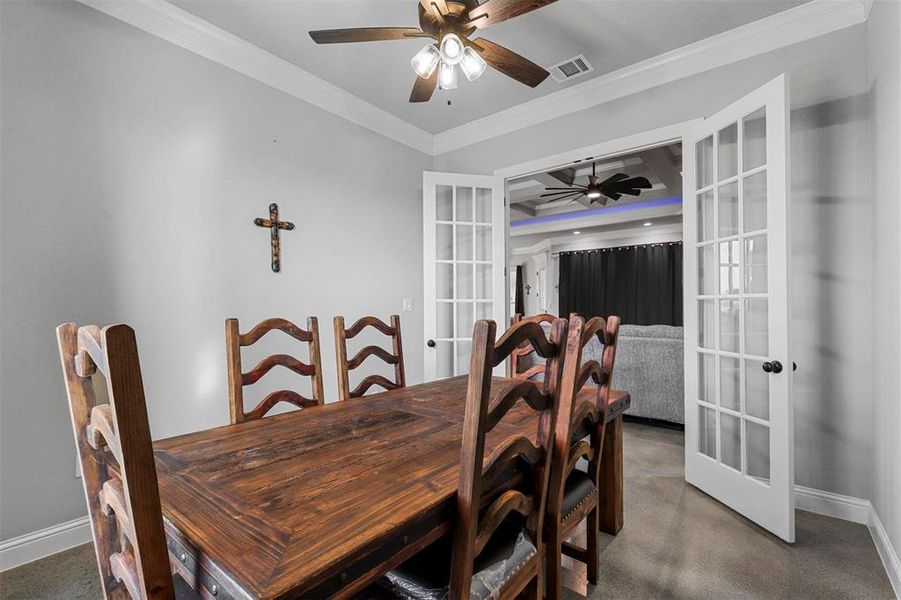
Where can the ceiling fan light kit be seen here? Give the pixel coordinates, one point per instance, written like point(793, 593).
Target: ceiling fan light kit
point(425, 61)
point(451, 49)
point(447, 76)
point(450, 23)
point(472, 64)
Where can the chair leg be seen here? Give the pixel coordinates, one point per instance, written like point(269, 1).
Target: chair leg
point(593, 523)
point(553, 584)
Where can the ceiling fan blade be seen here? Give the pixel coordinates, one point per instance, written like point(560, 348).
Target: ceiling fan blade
point(567, 198)
point(560, 193)
point(497, 11)
point(614, 179)
point(365, 34)
point(637, 182)
point(630, 192)
point(510, 63)
point(431, 5)
point(424, 88)
point(612, 196)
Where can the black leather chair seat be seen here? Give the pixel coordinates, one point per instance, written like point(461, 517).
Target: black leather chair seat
point(578, 489)
point(426, 576)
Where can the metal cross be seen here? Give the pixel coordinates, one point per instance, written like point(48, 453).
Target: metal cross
point(274, 225)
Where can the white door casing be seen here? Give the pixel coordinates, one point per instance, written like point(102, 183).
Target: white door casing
point(738, 370)
point(464, 254)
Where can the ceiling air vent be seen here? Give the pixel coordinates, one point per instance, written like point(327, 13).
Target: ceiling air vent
point(571, 69)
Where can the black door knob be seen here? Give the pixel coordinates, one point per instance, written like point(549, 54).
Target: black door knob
point(772, 367)
point(430, 343)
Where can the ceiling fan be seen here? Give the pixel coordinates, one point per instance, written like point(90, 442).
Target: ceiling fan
point(450, 23)
point(598, 191)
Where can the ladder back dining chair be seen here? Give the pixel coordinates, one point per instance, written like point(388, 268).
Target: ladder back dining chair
point(495, 551)
point(395, 357)
point(237, 380)
point(573, 494)
point(117, 464)
point(522, 363)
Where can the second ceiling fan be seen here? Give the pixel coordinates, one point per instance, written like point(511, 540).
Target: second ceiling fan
point(598, 191)
point(450, 23)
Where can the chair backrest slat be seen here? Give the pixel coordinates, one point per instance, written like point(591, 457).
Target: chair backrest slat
point(582, 411)
point(481, 484)
point(237, 380)
point(520, 365)
point(345, 365)
point(116, 455)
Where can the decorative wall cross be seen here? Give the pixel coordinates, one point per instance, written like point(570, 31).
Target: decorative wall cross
point(274, 225)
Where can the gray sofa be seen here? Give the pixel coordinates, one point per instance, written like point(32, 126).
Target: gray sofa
point(649, 365)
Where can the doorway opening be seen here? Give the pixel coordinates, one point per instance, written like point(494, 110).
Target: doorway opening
point(612, 255)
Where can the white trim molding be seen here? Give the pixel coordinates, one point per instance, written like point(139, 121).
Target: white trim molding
point(631, 143)
point(32, 546)
point(886, 551)
point(846, 508)
point(786, 28)
point(859, 511)
point(183, 29)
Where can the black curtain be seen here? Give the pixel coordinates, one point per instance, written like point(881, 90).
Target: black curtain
point(519, 300)
point(640, 284)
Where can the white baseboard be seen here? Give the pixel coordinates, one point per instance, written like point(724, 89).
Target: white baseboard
point(846, 508)
point(859, 511)
point(45, 542)
point(39, 544)
point(886, 551)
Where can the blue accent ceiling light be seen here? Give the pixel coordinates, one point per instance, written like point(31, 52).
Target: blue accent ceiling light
point(604, 210)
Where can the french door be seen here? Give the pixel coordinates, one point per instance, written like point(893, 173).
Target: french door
point(463, 233)
point(738, 368)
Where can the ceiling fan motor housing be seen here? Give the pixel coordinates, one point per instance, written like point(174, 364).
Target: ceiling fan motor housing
point(457, 12)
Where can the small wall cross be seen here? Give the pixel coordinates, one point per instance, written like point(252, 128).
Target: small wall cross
point(274, 225)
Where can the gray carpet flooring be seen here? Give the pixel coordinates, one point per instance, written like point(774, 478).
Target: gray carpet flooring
point(677, 543)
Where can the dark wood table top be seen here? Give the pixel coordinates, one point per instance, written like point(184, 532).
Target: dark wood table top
point(287, 503)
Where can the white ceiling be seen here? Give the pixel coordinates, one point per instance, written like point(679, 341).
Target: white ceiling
point(610, 33)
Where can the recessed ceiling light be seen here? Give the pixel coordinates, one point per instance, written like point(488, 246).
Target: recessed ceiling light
point(576, 232)
point(647, 223)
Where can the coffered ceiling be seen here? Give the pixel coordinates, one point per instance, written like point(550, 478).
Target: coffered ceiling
point(610, 33)
point(534, 219)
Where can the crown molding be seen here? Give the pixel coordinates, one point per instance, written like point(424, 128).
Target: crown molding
point(187, 31)
point(786, 28)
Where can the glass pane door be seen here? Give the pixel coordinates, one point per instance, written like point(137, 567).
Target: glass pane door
point(738, 416)
point(464, 273)
point(732, 294)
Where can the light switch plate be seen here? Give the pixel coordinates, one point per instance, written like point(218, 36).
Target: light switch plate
point(408, 304)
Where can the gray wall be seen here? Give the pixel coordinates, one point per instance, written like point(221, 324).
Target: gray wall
point(832, 212)
point(884, 29)
point(131, 172)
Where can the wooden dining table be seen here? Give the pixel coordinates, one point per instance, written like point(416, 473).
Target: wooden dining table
point(320, 502)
